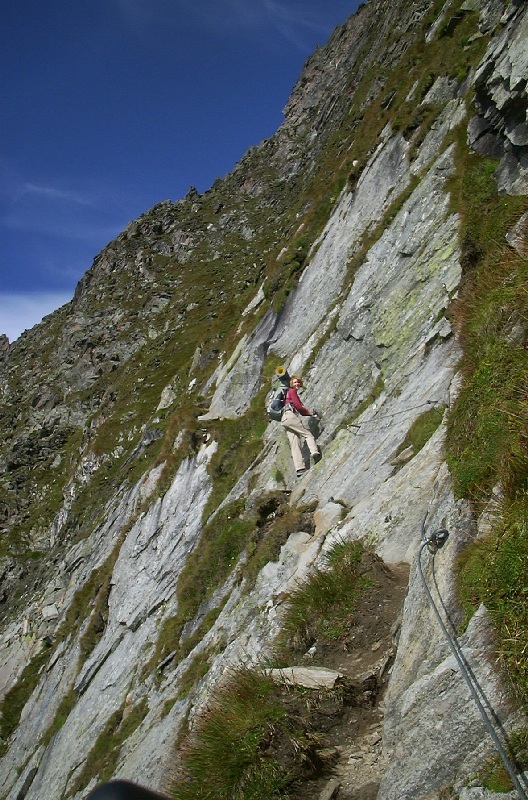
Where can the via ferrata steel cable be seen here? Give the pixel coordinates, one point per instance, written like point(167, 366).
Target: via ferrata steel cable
point(433, 543)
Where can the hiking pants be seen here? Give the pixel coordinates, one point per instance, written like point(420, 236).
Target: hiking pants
point(292, 424)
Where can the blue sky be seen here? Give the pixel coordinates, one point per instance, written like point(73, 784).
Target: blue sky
point(111, 106)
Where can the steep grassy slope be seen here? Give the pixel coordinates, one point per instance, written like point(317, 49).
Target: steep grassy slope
point(80, 387)
point(116, 383)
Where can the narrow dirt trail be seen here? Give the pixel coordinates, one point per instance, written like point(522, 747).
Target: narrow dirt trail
point(353, 732)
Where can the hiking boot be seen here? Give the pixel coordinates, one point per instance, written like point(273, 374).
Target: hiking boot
point(316, 457)
point(300, 472)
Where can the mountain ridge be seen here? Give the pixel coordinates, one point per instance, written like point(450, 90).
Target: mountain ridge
point(135, 440)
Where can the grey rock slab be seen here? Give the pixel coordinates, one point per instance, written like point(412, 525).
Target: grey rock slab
point(451, 115)
point(37, 715)
point(50, 612)
point(238, 381)
point(153, 553)
point(356, 465)
point(308, 677)
point(384, 177)
point(502, 102)
point(16, 649)
point(326, 517)
point(479, 793)
point(144, 579)
point(433, 732)
point(398, 298)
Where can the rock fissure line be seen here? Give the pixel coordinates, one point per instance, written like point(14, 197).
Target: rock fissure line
point(363, 309)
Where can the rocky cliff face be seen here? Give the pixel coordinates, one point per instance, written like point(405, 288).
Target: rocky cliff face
point(129, 420)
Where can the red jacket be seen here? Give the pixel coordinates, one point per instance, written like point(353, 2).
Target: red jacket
point(293, 399)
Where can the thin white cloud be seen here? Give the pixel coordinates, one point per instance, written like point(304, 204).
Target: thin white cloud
point(292, 23)
point(290, 19)
point(89, 213)
point(54, 193)
point(51, 232)
point(294, 16)
point(20, 312)
point(62, 226)
point(14, 187)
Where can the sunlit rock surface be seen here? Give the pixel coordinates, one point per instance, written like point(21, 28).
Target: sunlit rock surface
point(369, 328)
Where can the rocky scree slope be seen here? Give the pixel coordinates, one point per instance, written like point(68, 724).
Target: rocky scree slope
point(130, 440)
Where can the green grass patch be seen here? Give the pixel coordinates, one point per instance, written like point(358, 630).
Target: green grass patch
point(421, 430)
point(171, 647)
point(494, 571)
point(487, 427)
point(257, 739)
point(261, 532)
point(66, 705)
point(323, 607)
point(249, 745)
point(209, 564)
point(90, 601)
point(368, 400)
point(17, 697)
point(196, 670)
point(494, 775)
point(226, 753)
point(487, 439)
point(102, 759)
point(275, 520)
point(167, 644)
point(207, 567)
point(239, 443)
point(487, 433)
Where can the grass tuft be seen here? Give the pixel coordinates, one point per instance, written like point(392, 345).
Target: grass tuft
point(257, 739)
point(103, 757)
point(253, 742)
point(487, 439)
point(17, 697)
point(227, 750)
point(324, 605)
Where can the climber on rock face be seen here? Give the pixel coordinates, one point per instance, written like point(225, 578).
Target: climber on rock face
point(292, 423)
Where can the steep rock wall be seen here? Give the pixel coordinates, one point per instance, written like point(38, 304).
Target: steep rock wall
point(373, 334)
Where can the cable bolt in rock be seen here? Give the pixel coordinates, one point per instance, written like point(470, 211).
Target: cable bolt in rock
point(434, 542)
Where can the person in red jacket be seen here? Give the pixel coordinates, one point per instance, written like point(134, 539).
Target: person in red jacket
point(291, 421)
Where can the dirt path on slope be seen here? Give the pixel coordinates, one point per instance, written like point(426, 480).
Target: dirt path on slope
point(353, 729)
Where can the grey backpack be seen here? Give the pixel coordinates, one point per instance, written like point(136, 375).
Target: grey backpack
point(275, 403)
